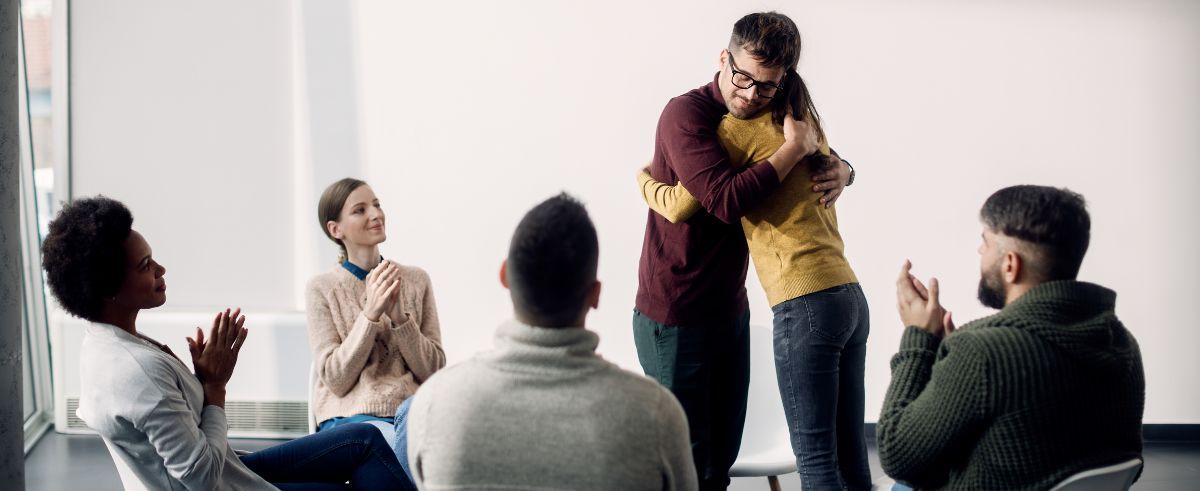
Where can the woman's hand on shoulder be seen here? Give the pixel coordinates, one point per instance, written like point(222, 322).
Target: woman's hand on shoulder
point(214, 357)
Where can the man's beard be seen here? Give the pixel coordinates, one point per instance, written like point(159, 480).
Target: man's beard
point(744, 113)
point(991, 289)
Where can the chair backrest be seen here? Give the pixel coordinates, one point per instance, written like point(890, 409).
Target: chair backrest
point(1117, 477)
point(766, 425)
point(312, 380)
point(129, 480)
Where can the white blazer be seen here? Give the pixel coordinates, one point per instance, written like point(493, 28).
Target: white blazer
point(150, 410)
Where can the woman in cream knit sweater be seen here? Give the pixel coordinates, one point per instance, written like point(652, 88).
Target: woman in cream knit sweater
point(372, 324)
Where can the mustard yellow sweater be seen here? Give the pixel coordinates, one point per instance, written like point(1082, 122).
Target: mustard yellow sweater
point(793, 240)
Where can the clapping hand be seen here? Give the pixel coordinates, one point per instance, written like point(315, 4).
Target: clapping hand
point(919, 306)
point(383, 290)
point(215, 357)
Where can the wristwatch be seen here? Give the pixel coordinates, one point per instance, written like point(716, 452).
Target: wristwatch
point(851, 180)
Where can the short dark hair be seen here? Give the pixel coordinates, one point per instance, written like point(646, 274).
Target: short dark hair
point(1054, 222)
point(770, 37)
point(774, 40)
point(552, 262)
point(84, 254)
point(329, 207)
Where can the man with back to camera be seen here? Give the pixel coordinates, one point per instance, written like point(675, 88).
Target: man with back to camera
point(691, 321)
point(542, 410)
point(1049, 386)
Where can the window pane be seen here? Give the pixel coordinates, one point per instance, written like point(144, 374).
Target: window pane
point(38, 155)
point(36, 22)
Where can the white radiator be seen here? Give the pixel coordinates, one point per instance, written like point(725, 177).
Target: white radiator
point(266, 398)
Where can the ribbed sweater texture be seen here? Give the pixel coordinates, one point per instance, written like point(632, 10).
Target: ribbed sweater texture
point(543, 411)
point(365, 367)
point(1049, 386)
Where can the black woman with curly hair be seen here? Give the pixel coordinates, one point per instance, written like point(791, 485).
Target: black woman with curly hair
point(164, 422)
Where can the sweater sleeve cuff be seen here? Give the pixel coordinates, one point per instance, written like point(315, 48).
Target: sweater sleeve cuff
point(765, 174)
point(213, 422)
point(379, 324)
point(916, 338)
point(643, 177)
point(409, 326)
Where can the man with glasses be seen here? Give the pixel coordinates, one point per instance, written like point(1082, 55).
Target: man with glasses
point(691, 319)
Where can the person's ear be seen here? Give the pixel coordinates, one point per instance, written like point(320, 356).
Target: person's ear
point(504, 273)
point(721, 59)
point(594, 295)
point(1013, 267)
point(334, 229)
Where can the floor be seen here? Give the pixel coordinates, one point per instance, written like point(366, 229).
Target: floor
point(72, 462)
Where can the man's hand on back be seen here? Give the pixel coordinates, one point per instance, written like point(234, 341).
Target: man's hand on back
point(832, 180)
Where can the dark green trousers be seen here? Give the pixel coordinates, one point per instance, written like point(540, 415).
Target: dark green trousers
point(707, 367)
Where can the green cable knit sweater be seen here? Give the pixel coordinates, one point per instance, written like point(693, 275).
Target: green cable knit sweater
point(1049, 386)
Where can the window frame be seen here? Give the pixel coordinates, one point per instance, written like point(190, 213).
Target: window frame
point(35, 308)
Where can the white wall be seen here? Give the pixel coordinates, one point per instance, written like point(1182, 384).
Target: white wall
point(474, 113)
point(463, 116)
point(183, 111)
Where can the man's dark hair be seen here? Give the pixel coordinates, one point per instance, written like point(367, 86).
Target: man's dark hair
point(1053, 222)
point(770, 37)
point(774, 40)
point(84, 254)
point(552, 262)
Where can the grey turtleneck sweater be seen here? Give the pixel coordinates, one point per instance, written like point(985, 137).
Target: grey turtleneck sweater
point(543, 411)
point(1049, 386)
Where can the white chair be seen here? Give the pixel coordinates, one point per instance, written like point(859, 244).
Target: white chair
point(766, 447)
point(1116, 477)
point(312, 380)
point(129, 480)
point(883, 483)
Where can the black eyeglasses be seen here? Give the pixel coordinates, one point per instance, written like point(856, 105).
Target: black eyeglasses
point(743, 80)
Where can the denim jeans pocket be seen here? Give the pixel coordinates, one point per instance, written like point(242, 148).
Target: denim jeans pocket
point(666, 334)
point(832, 313)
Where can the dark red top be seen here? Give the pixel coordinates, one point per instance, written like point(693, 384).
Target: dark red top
point(694, 273)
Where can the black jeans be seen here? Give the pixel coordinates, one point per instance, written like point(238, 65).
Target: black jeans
point(355, 452)
point(707, 367)
point(820, 360)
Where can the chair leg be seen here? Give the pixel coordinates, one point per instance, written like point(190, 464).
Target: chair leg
point(773, 481)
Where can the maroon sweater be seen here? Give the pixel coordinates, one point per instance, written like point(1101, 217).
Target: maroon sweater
point(694, 273)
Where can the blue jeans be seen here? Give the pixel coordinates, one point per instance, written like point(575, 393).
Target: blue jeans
point(345, 420)
point(383, 424)
point(356, 453)
point(707, 367)
point(400, 442)
point(820, 360)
